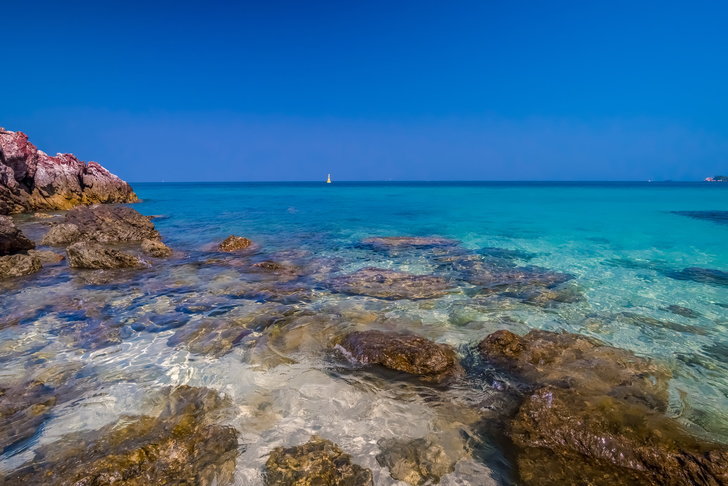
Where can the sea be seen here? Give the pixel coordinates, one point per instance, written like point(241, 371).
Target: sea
point(647, 266)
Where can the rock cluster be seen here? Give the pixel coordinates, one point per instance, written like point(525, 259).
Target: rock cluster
point(317, 462)
point(32, 180)
point(179, 446)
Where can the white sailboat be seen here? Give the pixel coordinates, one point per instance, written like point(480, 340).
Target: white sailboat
point(328, 179)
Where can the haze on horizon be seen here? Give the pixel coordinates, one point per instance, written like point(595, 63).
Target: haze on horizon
point(260, 91)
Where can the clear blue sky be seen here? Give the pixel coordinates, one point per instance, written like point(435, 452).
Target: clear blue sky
point(493, 90)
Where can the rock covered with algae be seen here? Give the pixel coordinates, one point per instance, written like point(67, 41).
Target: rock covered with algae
point(182, 445)
point(318, 462)
point(406, 353)
point(567, 437)
point(391, 284)
point(574, 361)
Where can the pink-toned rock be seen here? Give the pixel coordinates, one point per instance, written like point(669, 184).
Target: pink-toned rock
point(30, 179)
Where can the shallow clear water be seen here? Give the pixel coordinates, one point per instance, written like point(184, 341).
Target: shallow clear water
point(622, 243)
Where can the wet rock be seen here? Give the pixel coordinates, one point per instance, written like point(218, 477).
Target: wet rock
point(111, 224)
point(702, 275)
point(390, 284)
point(18, 265)
point(407, 353)
point(12, 240)
point(47, 257)
point(156, 248)
point(179, 446)
point(396, 242)
point(43, 216)
point(317, 462)
point(94, 256)
point(683, 311)
point(416, 462)
point(61, 234)
point(565, 437)
point(573, 361)
point(23, 409)
point(31, 179)
point(234, 243)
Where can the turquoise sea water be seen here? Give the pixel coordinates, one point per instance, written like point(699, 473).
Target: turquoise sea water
point(624, 244)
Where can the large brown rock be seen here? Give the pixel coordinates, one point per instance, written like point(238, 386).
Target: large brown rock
point(12, 240)
point(416, 462)
point(573, 361)
point(318, 462)
point(407, 353)
point(391, 284)
point(111, 224)
point(565, 437)
point(18, 265)
point(179, 446)
point(30, 179)
point(93, 256)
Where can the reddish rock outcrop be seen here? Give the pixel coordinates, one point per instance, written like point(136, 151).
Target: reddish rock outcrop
point(30, 179)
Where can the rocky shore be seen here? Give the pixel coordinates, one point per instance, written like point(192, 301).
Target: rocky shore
point(31, 180)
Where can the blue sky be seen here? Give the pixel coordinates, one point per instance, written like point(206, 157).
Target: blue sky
point(373, 90)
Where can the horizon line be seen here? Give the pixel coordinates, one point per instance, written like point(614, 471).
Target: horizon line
point(421, 181)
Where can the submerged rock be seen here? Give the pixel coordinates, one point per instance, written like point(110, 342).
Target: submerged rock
point(395, 242)
point(565, 437)
point(218, 336)
point(720, 217)
point(407, 353)
point(234, 243)
point(488, 275)
point(318, 462)
point(94, 256)
point(573, 361)
point(702, 275)
point(23, 409)
point(390, 284)
point(179, 446)
point(12, 240)
point(156, 248)
point(18, 265)
point(683, 311)
point(416, 462)
point(31, 179)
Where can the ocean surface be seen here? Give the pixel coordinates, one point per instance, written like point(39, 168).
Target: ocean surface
point(626, 246)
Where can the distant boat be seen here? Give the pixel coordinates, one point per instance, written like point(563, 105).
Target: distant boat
point(328, 179)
